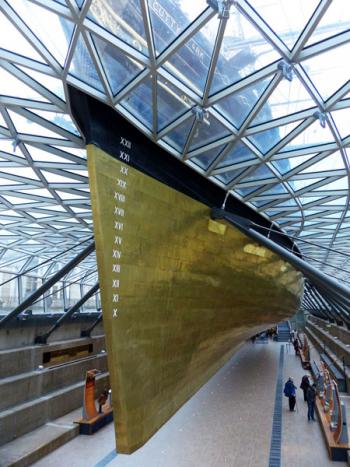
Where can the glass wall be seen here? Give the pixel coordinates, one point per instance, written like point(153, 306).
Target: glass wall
point(9, 297)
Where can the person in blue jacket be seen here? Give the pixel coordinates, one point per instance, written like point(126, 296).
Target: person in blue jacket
point(289, 391)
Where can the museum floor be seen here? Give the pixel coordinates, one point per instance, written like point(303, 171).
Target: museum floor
point(227, 423)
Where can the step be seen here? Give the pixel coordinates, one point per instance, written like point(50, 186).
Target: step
point(22, 418)
point(32, 446)
point(17, 389)
point(24, 359)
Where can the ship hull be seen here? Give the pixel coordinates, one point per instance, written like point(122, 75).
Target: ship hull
point(180, 293)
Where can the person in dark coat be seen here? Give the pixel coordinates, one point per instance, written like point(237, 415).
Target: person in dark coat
point(304, 385)
point(311, 400)
point(289, 391)
point(296, 346)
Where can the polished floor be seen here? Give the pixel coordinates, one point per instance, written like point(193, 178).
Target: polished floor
point(227, 423)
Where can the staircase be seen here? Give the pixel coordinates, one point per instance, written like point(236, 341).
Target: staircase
point(283, 332)
point(37, 392)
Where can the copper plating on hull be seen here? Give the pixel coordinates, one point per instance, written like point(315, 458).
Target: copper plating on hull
point(179, 292)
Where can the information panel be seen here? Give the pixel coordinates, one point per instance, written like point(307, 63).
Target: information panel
point(179, 292)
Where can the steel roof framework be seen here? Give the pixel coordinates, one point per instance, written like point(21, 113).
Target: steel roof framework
point(43, 176)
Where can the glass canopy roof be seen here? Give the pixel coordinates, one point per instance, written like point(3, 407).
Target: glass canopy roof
point(254, 95)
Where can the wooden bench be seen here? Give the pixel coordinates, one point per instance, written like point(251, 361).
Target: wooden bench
point(305, 362)
point(335, 373)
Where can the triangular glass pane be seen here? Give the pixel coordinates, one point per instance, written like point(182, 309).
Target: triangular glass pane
point(123, 19)
point(237, 106)
point(139, 103)
point(329, 78)
point(191, 62)
point(120, 70)
point(60, 119)
point(286, 203)
point(335, 20)
point(44, 156)
point(7, 182)
point(275, 190)
point(205, 159)
point(26, 126)
point(245, 191)
point(2, 121)
point(243, 51)
point(10, 212)
point(8, 146)
point(208, 130)
point(239, 153)
point(336, 202)
point(293, 218)
point(332, 162)
point(76, 151)
point(342, 119)
point(287, 19)
point(300, 184)
point(305, 200)
point(15, 200)
point(54, 85)
point(227, 177)
point(12, 86)
point(288, 97)
point(285, 165)
point(261, 173)
point(82, 66)
point(272, 212)
point(11, 39)
point(178, 137)
point(311, 136)
point(55, 178)
point(170, 20)
point(340, 184)
point(172, 103)
point(54, 31)
point(334, 215)
point(26, 172)
point(267, 139)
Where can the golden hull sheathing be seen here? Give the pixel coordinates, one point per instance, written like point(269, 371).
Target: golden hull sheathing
point(180, 292)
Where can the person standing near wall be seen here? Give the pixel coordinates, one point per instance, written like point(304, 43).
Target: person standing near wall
point(296, 346)
point(311, 400)
point(293, 335)
point(304, 385)
point(289, 391)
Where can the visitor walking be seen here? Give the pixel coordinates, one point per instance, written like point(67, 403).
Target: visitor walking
point(304, 385)
point(289, 391)
point(296, 346)
point(311, 400)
